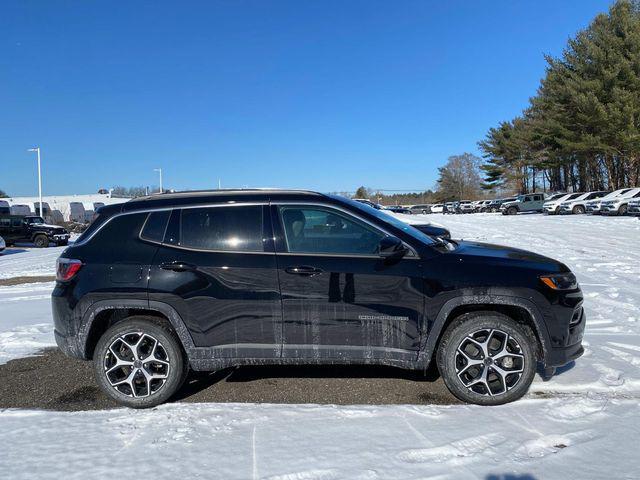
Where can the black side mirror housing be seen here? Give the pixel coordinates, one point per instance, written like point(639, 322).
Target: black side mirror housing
point(391, 247)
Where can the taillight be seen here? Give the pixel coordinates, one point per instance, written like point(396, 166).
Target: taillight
point(66, 269)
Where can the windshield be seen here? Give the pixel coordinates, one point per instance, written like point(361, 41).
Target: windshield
point(557, 196)
point(385, 217)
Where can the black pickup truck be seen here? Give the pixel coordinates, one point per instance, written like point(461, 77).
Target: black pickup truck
point(18, 228)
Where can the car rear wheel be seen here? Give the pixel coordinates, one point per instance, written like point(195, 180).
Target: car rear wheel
point(487, 358)
point(139, 362)
point(41, 241)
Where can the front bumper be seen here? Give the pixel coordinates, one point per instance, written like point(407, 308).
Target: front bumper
point(60, 237)
point(571, 343)
point(609, 209)
point(550, 209)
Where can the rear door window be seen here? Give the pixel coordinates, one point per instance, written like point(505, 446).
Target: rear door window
point(233, 229)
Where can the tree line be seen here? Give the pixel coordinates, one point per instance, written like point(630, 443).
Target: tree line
point(580, 131)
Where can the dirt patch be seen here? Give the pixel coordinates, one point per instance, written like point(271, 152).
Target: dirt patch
point(6, 282)
point(53, 381)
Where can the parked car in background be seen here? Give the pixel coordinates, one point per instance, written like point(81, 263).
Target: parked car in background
point(424, 209)
point(578, 205)
point(252, 277)
point(484, 206)
point(619, 205)
point(430, 228)
point(531, 202)
point(634, 207)
point(2, 244)
point(449, 207)
point(494, 205)
point(377, 206)
point(464, 206)
point(437, 208)
point(16, 229)
point(593, 206)
point(551, 205)
point(398, 209)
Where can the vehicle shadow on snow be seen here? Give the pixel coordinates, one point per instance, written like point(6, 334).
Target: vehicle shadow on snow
point(12, 251)
point(510, 476)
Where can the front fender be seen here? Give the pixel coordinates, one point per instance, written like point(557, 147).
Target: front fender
point(522, 298)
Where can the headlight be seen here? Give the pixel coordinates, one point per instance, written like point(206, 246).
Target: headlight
point(560, 281)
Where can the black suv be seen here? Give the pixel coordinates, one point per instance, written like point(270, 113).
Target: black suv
point(18, 228)
point(208, 280)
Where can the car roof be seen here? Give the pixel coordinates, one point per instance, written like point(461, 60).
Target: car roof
point(205, 197)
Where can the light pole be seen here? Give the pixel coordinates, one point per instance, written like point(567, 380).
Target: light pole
point(37, 149)
point(159, 170)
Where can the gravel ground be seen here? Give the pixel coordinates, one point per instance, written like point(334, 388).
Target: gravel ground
point(55, 382)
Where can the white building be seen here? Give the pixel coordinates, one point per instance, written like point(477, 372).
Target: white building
point(58, 208)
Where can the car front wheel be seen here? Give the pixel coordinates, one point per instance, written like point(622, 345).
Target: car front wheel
point(41, 241)
point(487, 358)
point(139, 362)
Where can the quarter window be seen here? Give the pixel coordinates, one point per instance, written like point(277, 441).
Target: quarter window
point(326, 231)
point(155, 226)
point(222, 228)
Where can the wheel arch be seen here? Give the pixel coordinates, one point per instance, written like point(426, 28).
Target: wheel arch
point(519, 309)
point(103, 314)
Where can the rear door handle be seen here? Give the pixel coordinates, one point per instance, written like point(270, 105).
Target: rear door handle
point(303, 270)
point(178, 266)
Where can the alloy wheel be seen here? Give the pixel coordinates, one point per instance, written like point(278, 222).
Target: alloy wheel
point(489, 362)
point(136, 364)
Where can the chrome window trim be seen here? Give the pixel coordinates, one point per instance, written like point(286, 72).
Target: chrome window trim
point(412, 251)
point(161, 209)
point(413, 254)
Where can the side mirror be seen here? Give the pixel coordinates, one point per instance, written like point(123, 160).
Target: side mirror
point(391, 247)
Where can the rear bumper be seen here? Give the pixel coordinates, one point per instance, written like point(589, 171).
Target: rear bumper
point(69, 345)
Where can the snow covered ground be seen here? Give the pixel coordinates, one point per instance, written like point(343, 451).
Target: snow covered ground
point(583, 423)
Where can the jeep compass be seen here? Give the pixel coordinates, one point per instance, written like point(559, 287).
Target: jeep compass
point(208, 280)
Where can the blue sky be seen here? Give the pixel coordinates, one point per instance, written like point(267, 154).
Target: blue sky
point(326, 95)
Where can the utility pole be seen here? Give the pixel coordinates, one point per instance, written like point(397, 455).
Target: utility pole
point(159, 170)
point(37, 150)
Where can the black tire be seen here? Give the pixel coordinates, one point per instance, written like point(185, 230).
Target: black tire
point(514, 385)
point(41, 241)
point(512, 211)
point(578, 210)
point(622, 210)
point(166, 349)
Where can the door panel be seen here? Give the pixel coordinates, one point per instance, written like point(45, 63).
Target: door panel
point(229, 300)
point(344, 306)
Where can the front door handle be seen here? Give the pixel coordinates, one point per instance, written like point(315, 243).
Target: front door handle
point(303, 270)
point(178, 266)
